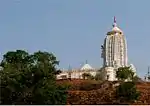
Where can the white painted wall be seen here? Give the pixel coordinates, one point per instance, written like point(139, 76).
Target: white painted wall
point(76, 74)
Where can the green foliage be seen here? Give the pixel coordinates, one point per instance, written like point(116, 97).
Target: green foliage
point(124, 73)
point(99, 76)
point(126, 92)
point(67, 85)
point(87, 75)
point(148, 77)
point(30, 79)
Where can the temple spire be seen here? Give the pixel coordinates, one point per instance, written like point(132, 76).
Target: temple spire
point(69, 68)
point(114, 19)
point(115, 23)
point(86, 62)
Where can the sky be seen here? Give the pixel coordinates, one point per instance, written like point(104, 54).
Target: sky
point(75, 29)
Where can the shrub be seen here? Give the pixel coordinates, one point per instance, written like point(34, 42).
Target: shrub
point(125, 73)
point(98, 76)
point(87, 76)
point(126, 92)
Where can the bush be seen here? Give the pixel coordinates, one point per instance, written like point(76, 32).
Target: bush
point(126, 92)
point(124, 73)
point(98, 76)
point(87, 76)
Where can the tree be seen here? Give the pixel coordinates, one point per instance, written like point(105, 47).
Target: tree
point(87, 75)
point(100, 74)
point(125, 73)
point(30, 79)
point(58, 72)
point(126, 92)
point(148, 77)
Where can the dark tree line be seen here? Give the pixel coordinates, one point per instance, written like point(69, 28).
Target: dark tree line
point(30, 79)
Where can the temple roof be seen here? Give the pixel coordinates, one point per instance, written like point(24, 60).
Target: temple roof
point(86, 67)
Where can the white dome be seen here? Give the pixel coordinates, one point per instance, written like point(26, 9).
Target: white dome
point(133, 68)
point(86, 67)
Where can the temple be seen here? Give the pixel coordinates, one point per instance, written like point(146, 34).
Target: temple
point(114, 52)
point(114, 55)
point(114, 49)
point(77, 73)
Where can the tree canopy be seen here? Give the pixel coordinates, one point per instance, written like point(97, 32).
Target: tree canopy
point(125, 73)
point(126, 92)
point(100, 74)
point(30, 79)
point(87, 75)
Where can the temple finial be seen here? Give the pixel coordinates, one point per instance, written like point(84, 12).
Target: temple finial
point(114, 19)
point(114, 24)
point(86, 62)
point(69, 68)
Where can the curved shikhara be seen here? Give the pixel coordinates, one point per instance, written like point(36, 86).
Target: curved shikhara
point(114, 49)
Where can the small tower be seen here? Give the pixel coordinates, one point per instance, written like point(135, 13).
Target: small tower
point(147, 77)
point(69, 68)
point(69, 72)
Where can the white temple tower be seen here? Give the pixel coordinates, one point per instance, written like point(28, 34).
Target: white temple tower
point(114, 51)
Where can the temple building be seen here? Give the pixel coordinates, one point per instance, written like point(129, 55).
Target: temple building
point(77, 73)
point(114, 52)
point(114, 55)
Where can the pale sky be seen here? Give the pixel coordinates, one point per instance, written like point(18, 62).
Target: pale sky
point(75, 29)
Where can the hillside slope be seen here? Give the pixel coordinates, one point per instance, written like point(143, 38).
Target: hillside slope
point(89, 92)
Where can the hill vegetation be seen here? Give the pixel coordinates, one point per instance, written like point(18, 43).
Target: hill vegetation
point(30, 79)
point(89, 92)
